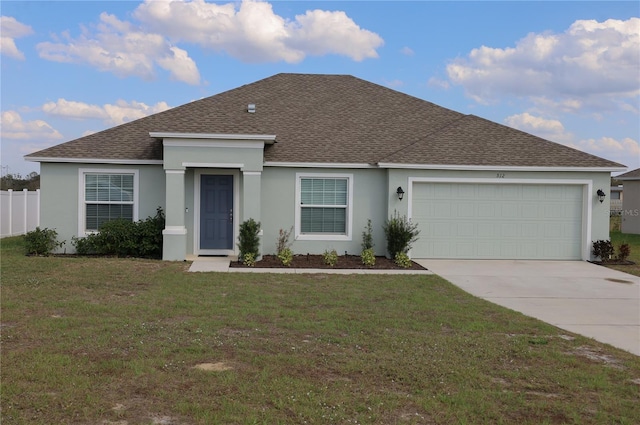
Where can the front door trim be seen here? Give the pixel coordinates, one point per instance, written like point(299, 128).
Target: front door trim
point(196, 210)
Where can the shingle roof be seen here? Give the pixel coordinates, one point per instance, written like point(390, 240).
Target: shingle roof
point(630, 175)
point(333, 119)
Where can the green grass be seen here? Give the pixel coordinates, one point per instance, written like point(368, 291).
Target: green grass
point(115, 341)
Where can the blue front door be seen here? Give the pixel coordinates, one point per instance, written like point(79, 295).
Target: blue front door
point(216, 212)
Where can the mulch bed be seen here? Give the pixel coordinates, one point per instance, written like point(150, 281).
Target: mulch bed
point(614, 263)
point(309, 261)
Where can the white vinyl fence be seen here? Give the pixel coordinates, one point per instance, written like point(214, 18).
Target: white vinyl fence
point(19, 212)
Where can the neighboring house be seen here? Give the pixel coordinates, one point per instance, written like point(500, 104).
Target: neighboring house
point(630, 221)
point(322, 154)
point(616, 199)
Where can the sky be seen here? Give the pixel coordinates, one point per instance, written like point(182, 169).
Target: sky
point(565, 71)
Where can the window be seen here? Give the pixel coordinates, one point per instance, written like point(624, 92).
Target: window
point(323, 207)
point(106, 196)
point(615, 195)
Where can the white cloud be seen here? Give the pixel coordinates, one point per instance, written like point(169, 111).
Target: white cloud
point(394, 83)
point(71, 109)
point(407, 51)
point(546, 128)
point(437, 82)
point(12, 29)
point(591, 65)
point(625, 151)
point(13, 127)
point(113, 114)
point(119, 47)
point(252, 32)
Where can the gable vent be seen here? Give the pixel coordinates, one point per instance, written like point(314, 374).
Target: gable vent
point(251, 108)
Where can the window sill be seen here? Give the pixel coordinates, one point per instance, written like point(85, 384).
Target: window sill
point(319, 237)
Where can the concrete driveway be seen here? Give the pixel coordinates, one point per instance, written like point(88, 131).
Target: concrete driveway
point(578, 296)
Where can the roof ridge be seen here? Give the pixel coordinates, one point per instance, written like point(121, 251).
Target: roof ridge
point(420, 139)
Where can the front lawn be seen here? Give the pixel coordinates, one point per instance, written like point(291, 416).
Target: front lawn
point(127, 341)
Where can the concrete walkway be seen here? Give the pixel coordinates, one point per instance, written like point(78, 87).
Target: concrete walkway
point(221, 264)
point(577, 296)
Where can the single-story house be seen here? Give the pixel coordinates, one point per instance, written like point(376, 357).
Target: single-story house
point(630, 215)
point(322, 154)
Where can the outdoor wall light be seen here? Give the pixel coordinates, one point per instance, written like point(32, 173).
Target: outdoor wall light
point(601, 195)
point(400, 193)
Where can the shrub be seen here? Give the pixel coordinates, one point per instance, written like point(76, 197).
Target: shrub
point(368, 257)
point(117, 237)
point(367, 237)
point(248, 239)
point(86, 245)
point(624, 251)
point(400, 234)
point(603, 249)
point(283, 247)
point(330, 257)
point(402, 260)
point(41, 241)
point(125, 238)
point(286, 256)
point(149, 235)
point(283, 240)
point(249, 259)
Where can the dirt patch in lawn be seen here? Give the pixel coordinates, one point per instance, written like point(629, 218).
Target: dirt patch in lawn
point(213, 367)
point(309, 261)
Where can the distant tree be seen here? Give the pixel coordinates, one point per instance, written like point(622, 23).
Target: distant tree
point(16, 182)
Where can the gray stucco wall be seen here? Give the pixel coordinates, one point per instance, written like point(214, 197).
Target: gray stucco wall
point(278, 209)
point(60, 189)
point(373, 198)
point(631, 207)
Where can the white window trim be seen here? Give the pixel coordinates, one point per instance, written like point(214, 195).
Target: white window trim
point(349, 210)
point(82, 172)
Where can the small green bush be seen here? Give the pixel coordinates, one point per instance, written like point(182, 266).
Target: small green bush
point(400, 234)
point(41, 241)
point(286, 256)
point(603, 249)
point(330, 257)
point(249, 259)
point(402, 260)
point(248, 239)
point(86, 245)
point(283, 247)
point(368, 257)
point(367, 237)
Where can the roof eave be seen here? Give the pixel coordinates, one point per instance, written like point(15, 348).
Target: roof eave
point(114, 161)
point(266, 138)
point(495, 167)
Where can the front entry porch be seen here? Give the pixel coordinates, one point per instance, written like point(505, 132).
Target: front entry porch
point(212, 186)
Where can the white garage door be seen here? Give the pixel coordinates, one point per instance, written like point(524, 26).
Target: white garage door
point(497, 221)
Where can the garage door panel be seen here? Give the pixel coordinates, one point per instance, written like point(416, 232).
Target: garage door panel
point(465, 230)
point(530, 230)
point(509, 221)
point(510, 210)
